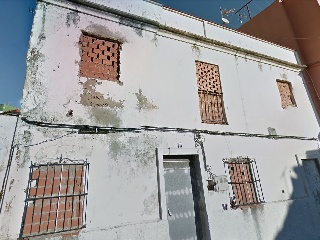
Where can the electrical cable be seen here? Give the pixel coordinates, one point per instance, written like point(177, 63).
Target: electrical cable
point(88, 129)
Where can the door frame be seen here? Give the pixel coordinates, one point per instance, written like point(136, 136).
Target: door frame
point(160, 152)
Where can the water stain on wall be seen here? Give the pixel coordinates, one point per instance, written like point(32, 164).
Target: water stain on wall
point(72, 17)
point(103, 31)
point(106, 117)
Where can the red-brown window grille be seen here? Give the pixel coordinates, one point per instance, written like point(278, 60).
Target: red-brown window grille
point(56, 200)
point(100, 58)
point(285, 90)
point(244, 180)
point(210, 93)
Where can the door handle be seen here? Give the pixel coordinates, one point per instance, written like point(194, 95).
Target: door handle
point(169, 213)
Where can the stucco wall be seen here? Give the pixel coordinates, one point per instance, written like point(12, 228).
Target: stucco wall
point(159, 88)
point(7, 128)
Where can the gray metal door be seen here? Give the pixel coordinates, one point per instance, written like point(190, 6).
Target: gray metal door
point(311, 168)
point(181, 196)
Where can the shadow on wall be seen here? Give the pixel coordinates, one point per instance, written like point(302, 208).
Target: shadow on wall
point(303, 216)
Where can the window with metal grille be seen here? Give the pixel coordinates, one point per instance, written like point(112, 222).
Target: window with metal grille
point(56, 199)
point(210, 93)
point(285, 90)
point(244, 180)
point(100, 58)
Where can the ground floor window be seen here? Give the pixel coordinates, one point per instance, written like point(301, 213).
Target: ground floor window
point(56, 199)
point(244, 180)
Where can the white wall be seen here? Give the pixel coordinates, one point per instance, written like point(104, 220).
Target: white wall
point(123, 190)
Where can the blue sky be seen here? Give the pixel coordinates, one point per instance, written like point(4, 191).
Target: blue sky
point(16, 21)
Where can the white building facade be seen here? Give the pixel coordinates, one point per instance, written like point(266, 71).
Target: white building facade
point(141, 122)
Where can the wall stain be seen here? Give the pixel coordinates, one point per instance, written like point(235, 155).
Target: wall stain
point(11, 183)
point(195, 49)
point(284, 76)
point(106, 117)
point(260, 66)
point(72, 17)
point(26, 140)
point(138, 27)
point(150, 203)
point(143, 103)
point(90, 97)
point(102, 31)
point(8, 205)
point(155, 40)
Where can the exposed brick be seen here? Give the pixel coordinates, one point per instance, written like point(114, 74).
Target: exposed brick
point(35, 228)
point(27, 229)
point(101, 52)
point(35, 174)
point(51, 225)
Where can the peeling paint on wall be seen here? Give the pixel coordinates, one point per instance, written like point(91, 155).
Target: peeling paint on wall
point(90, 97)
point(143, 103)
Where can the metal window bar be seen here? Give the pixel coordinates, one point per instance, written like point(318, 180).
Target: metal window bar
point(244, 180)
point(56, 199)
point(211, 107)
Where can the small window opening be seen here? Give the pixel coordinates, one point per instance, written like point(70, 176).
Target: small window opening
point(244, 181)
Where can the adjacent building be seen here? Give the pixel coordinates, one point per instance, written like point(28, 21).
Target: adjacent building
point(293, 24)
point(142, 122)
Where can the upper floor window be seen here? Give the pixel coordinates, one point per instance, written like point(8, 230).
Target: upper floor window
point(285, 89)
point(100, 58)
point(210, 93)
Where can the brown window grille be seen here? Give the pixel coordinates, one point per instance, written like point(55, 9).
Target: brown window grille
point(100, 58)
point(244, 180)
point(210, 93)
point(285, 90)
point(56, 199)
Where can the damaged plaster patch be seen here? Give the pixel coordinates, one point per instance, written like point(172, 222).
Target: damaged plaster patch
point(143, 103)
point(72, 17)
point(90, 97)
point(106, 117)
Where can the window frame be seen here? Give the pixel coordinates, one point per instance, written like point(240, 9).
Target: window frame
point(211, 103)
point(292, 98)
